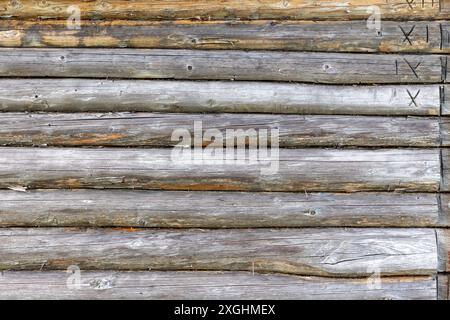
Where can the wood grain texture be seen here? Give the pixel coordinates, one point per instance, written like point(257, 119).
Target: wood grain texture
point(445, 101)
point(444, 124)
point(222, 65)
point(228, 9)
point(443, 286)
point(179, 209)
point(156, 129)
point(348, 36)
point(321, 252)
point(445, 163)
point(208, 286)
point(297, 170)
point(443, 240)
point(82, 95)
point(444, 209)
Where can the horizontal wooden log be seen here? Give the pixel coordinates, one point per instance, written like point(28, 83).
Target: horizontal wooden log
point(222, 65)
point(121, 208)
point(348, 36)
point(207, 285)
point(282, 170)
point(320, 252)
point(156, 130)
point(78, 95)
point(229, 9)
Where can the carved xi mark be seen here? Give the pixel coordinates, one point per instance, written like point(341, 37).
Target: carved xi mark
point(413, 98)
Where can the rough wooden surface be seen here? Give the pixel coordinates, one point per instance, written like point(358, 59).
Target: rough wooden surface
point(156, 129)
point(222, 65)
point(348, 36)
point(321, 252)
point(443, 287)
point(179, 209)
point(298, 170)
point(445, 163)
point(228, 9)
point(443, 240)
point(208, 285)
point(445, 101)
point(81, 95)
point(444, 124)
point(444, 209)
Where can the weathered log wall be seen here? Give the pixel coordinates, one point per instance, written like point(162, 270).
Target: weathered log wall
point(361, 186)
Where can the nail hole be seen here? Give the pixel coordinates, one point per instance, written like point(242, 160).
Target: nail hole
point(189, 68)
point(311, 213)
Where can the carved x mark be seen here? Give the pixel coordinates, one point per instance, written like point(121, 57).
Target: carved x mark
point(407, 34)
point(413, 69)
point(410, 3)
point(413, 98)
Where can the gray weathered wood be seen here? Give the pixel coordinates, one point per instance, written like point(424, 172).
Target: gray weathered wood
point(155, 129)
point(444, 209)
point(443, 246)
point(443, 240)
point(222, 65)
point(445, 101)
point(179, 209)
point(346, 36)
point(207, 285)
point(443, 287)
point(228, 9)
point(444, 124)
point(297, 170)
point(75, 95)
point(445, 163)
point(322, 252)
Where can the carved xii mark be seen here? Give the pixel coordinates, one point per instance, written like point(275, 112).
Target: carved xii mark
point(412, 3)
point(413, 98)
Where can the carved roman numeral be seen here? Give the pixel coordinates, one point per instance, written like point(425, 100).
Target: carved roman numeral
point(413, 97)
